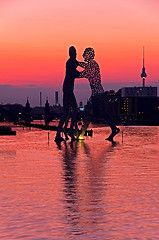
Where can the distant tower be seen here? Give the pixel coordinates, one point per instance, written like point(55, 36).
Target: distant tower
point(56, 98)
point(143, 74)
point(47, 112)
point(40, 99)
point(27, 112)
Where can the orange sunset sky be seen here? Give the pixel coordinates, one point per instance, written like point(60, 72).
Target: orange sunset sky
point(35, 36)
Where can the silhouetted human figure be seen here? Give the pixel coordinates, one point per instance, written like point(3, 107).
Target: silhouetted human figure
point(69, 99)
point(92, 72)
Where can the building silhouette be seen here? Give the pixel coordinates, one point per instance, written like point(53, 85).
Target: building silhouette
point(47, 112)
point(132, 103)
point(27, 115)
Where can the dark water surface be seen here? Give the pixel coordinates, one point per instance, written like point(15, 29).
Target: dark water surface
point(84, 190)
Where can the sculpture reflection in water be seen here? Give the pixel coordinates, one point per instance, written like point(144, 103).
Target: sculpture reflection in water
point(84, 179)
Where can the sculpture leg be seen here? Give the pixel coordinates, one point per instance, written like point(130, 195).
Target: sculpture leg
point(87, 120)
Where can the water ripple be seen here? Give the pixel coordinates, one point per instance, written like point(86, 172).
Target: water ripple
point(81, 190)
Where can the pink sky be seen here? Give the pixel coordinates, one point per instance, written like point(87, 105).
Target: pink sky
point(35, 36)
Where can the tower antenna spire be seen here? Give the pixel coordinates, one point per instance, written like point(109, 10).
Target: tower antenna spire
point(143, 74)
point(143, 56)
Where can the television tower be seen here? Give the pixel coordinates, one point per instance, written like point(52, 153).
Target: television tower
point(143, 74)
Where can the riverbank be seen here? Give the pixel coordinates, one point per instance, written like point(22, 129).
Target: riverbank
point(96, 122)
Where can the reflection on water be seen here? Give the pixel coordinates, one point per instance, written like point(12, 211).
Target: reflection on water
point(80, 190)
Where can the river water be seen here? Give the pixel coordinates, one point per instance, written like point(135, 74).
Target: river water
point(91, 189)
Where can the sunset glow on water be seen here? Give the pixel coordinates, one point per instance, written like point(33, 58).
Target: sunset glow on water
point(84, 190)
